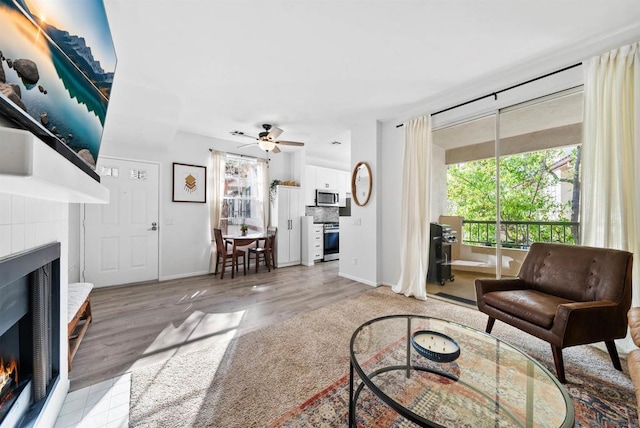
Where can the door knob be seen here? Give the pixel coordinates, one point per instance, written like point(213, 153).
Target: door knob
point(154, 226)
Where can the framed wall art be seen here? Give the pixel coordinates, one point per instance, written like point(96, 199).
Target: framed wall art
point(58, 74)
point(189, 183)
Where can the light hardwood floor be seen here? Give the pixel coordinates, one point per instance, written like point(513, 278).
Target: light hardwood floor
point(463, 287)
point(140, 324)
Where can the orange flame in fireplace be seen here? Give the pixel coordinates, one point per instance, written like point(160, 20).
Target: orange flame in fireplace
point(8, 372)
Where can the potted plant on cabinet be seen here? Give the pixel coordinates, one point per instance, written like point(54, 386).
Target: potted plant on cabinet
point(273, 190)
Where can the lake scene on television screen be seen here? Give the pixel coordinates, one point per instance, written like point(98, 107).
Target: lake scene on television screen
point(57, 63)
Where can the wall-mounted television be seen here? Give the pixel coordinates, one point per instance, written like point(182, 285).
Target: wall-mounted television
point(57, 63)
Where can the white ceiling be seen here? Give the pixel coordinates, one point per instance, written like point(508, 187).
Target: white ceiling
point(315, 67)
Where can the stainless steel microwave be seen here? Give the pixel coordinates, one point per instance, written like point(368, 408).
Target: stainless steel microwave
point(327, 198)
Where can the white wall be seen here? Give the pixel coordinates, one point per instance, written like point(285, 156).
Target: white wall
point(74, 243)
point(359, 252)
point(280, 167)
point(390, 201)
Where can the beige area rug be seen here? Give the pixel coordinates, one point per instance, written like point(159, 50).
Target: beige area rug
point(254, 379)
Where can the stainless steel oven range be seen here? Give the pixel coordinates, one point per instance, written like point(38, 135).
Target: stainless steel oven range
point(331, 242)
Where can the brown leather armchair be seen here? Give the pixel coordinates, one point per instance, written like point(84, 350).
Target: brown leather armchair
point(566, 295)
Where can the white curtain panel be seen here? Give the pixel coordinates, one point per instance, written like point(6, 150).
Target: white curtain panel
point(610, 210)
point(414, 223)
point(216, 190)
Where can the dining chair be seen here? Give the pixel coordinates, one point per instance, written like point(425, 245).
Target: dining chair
point(266, 250)
point(273, 231)
point(226, 256)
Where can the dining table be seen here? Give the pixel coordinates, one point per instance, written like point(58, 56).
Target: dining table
point(238, 241)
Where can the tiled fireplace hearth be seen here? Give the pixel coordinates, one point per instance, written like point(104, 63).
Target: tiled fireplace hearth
point(29, 333)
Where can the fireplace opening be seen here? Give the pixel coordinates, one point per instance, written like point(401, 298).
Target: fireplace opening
point(29, 333)
point(15, 375)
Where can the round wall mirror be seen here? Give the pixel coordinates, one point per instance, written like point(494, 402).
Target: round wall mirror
point(361, 183)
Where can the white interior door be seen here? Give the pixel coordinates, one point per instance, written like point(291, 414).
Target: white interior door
point(121, 237)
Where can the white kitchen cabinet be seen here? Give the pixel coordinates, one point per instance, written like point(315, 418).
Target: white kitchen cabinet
point(326, 179)
point(344, 186)
point(309, 186)
point(312, 241)
point(285, 215)
point(317, 177)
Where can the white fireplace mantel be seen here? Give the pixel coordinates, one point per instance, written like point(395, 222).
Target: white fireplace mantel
point(29, 167)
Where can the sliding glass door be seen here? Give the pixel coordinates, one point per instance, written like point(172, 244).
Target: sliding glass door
point(538, 174)
point(512, 179)
point(471, 194)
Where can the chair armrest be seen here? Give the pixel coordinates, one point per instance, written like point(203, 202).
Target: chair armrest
point(583, 319)
point(487, 285)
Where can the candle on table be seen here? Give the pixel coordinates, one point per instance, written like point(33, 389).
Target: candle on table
point(436, 343)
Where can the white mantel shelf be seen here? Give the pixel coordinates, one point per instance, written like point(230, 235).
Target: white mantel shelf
point(29, 167)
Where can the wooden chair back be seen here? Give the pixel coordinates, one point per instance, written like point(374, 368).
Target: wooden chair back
point(220, 248)
point(272, 232)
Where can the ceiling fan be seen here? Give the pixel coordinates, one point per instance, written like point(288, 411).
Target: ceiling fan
point(267, 139)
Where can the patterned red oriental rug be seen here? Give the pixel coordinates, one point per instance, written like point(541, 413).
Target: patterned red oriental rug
point(597, 403)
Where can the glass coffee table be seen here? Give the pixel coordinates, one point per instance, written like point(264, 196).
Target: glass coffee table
point(489, 384)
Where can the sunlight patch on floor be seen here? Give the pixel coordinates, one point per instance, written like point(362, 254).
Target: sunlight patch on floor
point(199, 330)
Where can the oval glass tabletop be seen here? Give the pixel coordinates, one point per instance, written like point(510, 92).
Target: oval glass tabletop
point(490, 383)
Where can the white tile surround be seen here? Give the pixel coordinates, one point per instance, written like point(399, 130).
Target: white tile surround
point(103, 405)
point(28, 223)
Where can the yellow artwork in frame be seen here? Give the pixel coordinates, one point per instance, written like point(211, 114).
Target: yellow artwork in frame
point(189, 183)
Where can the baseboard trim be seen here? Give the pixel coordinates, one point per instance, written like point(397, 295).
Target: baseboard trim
point(288, 264)
point(363, 281)
point(183, 275)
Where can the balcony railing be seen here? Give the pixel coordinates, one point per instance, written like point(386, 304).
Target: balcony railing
point(519, 234)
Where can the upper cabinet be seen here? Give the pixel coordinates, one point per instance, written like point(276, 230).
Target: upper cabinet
point(317, 177)
point(309, 186)
point(326, 179)
point(343, 187)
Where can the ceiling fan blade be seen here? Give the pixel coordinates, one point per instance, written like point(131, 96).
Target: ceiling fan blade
point(242, 134)
point(290, 143)
point(276, 149)
point(274, 133)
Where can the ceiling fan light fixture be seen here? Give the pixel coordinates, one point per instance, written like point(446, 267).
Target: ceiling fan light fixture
point(266, 145)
